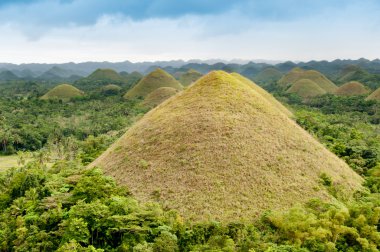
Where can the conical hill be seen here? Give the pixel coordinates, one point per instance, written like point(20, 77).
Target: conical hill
point(63, 92)
point(315, 76)
point(189, 77)
point(375, 95)
point(220, 150)
point(306, 88)
point(158, 96)
point(156, 79)
point(105, 74)
point(268, 76)
point(352, 88)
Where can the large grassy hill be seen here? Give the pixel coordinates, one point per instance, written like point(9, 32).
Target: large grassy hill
point(63, 92)
point(189, 77)
point(306, 88)
point(352, 88)
point(268, 76)
point(220, 150)
point(315, 76)
point(156, 79)
point(158, 96)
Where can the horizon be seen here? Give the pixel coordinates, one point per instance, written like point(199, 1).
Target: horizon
point(145, 31)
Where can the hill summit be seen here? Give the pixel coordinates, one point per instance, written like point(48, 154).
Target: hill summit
point(105, 74)
point(298, 74)
point(63, 92)
point(156, 79)
point(220, 150)
point(352, 88)
point(306, 88)
point(189, 77)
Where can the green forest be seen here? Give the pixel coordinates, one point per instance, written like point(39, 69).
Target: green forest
point(52, 201)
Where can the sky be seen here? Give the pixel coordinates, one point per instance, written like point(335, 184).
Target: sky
point(57, 31)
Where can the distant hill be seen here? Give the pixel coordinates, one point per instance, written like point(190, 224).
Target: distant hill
point(62, 92)
point(306, 88)
point(267, 76)
point(156, 79)
point(106, 75)
point(189, 77)
point(375, 95)
point(158, 96)
point(352, 88)
point(7, 76)
point(220, 150)
point(298, 74)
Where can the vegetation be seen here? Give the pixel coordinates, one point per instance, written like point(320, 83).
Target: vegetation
point(156, 79)
point(306, 88)
point(298, 74)
point(268, 75)
point(211, 134)
point(158, 96)
point(189, 77)
point(352, 88)
point(197, 150)
point(375, 95)
point(62, 92)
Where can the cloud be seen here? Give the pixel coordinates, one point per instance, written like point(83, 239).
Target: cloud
point(79, 31)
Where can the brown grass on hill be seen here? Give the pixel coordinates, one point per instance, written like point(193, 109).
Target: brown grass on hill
point(264, 93)
point(156, 79)
point(315, 76)
point(63, 92)
point(220, 150)
point(352, 88)
point(158, 96)
point(306, 89)
point(375, 95)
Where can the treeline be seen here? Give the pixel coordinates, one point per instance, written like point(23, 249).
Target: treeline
point(69, 208)
point(29, 124)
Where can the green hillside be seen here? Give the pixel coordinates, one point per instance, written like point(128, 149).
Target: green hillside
point(375, 95)
point(105, 74)
point(189, 77)
point(267, 76)
point(315, 76)
point(156, 79)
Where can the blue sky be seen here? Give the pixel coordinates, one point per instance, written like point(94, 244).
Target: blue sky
point(148, 30)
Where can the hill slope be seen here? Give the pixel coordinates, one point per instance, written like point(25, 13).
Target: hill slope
point(156, 79)
point(158, 96)
point(220, 150)
point(264, 93)
point(189, 77)
point(315, 76)
point(268, 75)
point(105, 74)
point(306, 88)
point(63, 91)
point(375, 95)
point(352, 88)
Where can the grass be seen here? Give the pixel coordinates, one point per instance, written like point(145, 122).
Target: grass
point(306, 88)
point(352, 88)
point(298, 74)
point(8, 162)
point(217, 150)
point(105, 74)
point(375, 95)
point(156, 79)
point(268, 75)
point(189, 77)
point(158, 96)
point(63, 91)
